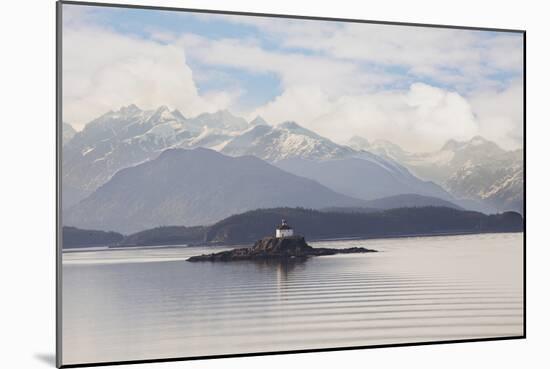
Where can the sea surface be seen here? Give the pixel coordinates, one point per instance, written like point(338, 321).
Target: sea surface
point(149, 303)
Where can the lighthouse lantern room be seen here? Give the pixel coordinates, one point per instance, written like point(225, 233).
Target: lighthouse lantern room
point(284, 230)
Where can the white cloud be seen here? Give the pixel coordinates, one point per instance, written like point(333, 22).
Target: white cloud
point(303, 104)
point(500, 114)
point(292, 68)
point(419, 119)
point(103, 70)
point(464, 58)
point(330, 92)
point(338, 88)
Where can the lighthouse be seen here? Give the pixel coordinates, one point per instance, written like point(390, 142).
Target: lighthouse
point(284, 230)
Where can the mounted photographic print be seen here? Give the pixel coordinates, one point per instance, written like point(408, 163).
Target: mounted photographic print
point(240, 184)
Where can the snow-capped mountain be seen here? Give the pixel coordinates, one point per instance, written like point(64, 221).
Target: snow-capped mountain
point(437, 165)
point(355, 173)
point(129, 136)
point(477, 169)
point(284, 141)
point(499, 182)
point(221, 120)
point(382, 148)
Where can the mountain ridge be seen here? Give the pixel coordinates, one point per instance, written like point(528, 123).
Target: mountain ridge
point(473, 170)
point(130, 136)
point(195, 187)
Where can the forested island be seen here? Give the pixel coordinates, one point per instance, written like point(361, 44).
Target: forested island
point(250, 226)
point(75, 237)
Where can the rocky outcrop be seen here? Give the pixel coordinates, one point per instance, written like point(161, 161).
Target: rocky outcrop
point(276, 248)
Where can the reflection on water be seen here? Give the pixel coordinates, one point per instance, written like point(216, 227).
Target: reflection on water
point(150, 303)
point(280, 267)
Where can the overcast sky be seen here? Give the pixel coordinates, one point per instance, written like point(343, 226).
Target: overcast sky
point(417, 87)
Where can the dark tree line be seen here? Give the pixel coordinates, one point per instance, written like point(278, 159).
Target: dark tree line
point(313, 224)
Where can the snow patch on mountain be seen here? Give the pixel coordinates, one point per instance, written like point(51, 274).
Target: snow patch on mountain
point(129, 136)
point(125, 137)
point(284, 141)
point(477, 169)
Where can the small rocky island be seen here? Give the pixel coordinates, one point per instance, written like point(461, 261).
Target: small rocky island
point(284, 245)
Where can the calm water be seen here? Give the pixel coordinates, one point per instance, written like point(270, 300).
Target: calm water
point(150, 303)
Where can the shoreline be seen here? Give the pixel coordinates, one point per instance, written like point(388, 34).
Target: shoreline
point(410, 235)
point(234, 245)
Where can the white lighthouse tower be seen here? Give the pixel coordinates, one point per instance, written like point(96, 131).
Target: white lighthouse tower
point(284, 230)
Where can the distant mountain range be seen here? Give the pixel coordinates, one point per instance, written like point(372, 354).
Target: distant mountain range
point(253, 225)
point(363, 177)
point(134, 169)
point(284, 141)
point(195, 187)
point(130, 136)
point(475, 170)
point(302, 152)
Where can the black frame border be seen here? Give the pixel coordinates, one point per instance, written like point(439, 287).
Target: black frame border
point(59, 146)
